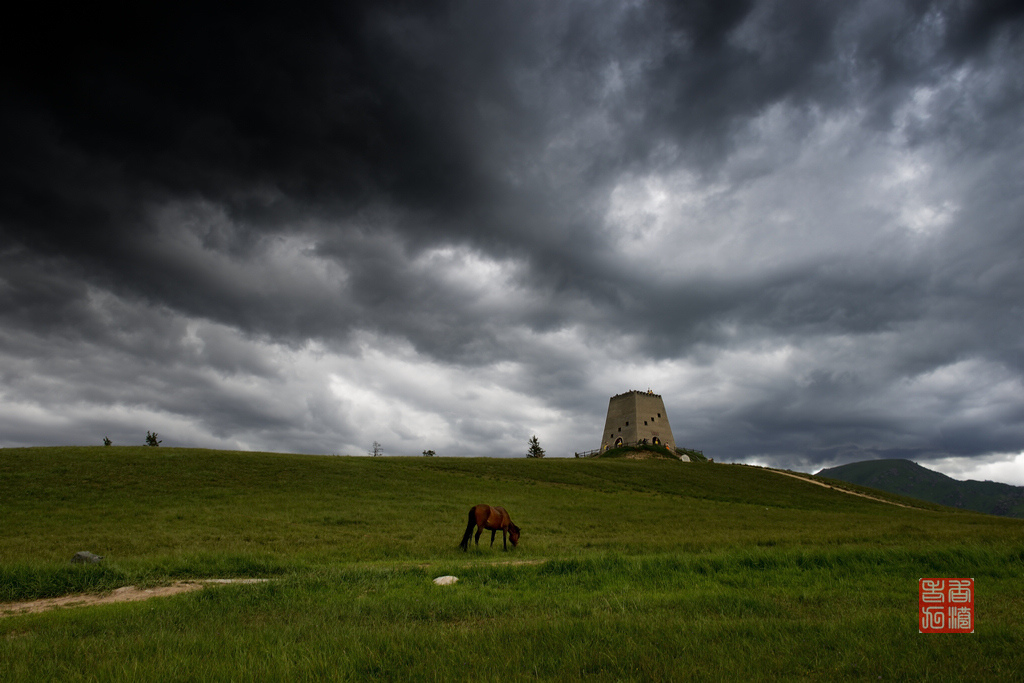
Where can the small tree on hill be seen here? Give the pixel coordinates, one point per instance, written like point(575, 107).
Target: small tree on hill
point(151, 439)
point(429, 454)
point(106, 441)
point(377, 450)
point(535, 451)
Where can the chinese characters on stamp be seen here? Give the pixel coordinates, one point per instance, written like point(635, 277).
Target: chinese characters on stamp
point(946, 605)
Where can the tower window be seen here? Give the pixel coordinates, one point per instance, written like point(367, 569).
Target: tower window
point(627, 423)
point(659, 414)
point(645, 423)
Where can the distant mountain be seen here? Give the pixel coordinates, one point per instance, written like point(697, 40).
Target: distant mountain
point(907, 478)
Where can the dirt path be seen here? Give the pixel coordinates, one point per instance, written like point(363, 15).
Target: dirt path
point(834, 488)
point(124, 594)
point(134, 594)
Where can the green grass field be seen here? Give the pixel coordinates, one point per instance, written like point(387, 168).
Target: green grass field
point(627, 570)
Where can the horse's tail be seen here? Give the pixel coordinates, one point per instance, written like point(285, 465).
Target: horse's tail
point(469, 530)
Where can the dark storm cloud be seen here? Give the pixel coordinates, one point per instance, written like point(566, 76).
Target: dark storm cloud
point(243, 216)
point(330, 112)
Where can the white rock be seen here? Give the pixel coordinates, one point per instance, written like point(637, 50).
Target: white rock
point(446, 580)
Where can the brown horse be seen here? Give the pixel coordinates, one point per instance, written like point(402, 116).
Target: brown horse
point(487, 517)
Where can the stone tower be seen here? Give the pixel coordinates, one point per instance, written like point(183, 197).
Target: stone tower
point(635, 416)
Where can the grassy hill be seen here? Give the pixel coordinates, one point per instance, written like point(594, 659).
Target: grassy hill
point(910, 479)
point(627, 569)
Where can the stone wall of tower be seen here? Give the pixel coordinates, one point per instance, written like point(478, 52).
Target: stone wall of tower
point(634, 416)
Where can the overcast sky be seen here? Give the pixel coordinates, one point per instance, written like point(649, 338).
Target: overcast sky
point(450, 226)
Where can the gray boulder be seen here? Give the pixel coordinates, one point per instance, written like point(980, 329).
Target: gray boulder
point(84, 557)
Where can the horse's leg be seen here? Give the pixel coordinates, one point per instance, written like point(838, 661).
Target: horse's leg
point(469, 532)
point(479, 530)
point(504, 545)
point(493, 531)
